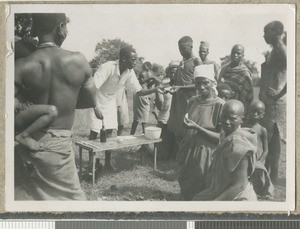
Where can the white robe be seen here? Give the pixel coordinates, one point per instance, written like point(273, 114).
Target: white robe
point(108, 82)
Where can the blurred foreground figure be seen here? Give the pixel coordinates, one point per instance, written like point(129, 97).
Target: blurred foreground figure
point(52, 76)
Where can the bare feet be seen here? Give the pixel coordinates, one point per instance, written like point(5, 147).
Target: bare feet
point(29, 142)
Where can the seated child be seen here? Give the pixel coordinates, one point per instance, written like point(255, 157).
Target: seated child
point(30, 118)
point(141, 105)
point(234, 159)
point(260, 178)
point(224, 91)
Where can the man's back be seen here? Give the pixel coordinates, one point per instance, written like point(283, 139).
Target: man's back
point(53, 76)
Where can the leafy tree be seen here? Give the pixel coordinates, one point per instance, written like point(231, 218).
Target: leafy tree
point(24, 42)
point(23, 24)
point(107, 50)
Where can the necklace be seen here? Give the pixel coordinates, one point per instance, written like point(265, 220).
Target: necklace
point(46, 45)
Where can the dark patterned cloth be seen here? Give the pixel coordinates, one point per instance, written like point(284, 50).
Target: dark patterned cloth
point(239, 79)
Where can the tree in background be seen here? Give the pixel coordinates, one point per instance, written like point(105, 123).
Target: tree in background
point(24, 42)
point(108, 50)
point(251, 65)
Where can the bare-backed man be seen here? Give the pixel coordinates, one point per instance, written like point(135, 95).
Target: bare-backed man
point(53, 76)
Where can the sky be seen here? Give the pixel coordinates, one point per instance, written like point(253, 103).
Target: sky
point(154, 29)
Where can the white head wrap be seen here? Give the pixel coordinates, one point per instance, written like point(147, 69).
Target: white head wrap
point(206, 71)
point(204, 44)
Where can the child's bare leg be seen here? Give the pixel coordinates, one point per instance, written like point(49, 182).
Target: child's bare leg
point(35, 117)
point(133, 127)
point(155, 115)
point(120, 130)
point(143, 127)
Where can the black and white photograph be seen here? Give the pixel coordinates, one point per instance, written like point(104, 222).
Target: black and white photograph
point(150, 107)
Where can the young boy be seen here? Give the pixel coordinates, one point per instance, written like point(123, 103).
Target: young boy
point(234, 159)
point(260, 178)
point(163, 104)
point(141, 105)
point(30, 118)
point(224, 91)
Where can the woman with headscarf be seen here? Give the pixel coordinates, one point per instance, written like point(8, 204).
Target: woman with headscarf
point(201, 133)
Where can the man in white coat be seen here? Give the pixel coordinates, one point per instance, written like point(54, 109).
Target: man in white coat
point(111, 77)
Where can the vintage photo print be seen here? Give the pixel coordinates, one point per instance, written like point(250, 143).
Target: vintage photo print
point(150, 107)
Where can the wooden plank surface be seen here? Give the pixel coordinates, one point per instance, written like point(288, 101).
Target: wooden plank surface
point(113, 143)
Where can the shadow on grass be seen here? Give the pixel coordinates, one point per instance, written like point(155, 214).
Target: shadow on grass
point(125, 159)
point(167, 176)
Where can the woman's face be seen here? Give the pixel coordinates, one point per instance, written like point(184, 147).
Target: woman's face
point(203, 86)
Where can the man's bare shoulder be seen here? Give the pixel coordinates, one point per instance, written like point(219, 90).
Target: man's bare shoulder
point(30, 63)
point(75, 57)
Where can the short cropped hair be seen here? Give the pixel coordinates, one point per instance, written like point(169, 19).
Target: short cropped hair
point(223, 86)
point(275, 26)
point(148, 64)
point(125, 51)
point(44, 23)
point(185, 39)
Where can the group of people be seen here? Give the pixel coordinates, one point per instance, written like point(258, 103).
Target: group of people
point(222, 139)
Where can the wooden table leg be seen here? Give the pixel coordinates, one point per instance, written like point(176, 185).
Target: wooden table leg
point(80, 163)
point(93, 167)
point(155, 155)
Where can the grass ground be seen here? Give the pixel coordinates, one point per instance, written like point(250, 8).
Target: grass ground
point(135, 179)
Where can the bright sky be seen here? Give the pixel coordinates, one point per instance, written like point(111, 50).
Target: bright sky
point(154, 29)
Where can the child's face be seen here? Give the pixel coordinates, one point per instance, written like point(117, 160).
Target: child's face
point(224, 94)
point(231, 119)
point(142, 79)
point(171, 73)
point(256, 112)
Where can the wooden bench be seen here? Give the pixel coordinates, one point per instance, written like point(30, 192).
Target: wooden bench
point(95, 146)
